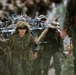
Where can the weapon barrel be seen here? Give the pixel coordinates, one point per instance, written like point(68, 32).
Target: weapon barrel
point(42, 34)
point(55, 18)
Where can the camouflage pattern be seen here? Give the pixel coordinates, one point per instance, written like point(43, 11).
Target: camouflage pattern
point(19, 54)
point(57, 63)
point(3, 65)
point(41, 64)
point(50, 48)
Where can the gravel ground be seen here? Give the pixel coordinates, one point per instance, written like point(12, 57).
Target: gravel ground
point(51, 71)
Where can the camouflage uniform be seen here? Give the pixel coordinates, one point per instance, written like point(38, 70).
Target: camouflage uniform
point(70, 25)
point(46, 52)
point(3, 70)
point(19, 49)
point(39, 48)
point(50, 48)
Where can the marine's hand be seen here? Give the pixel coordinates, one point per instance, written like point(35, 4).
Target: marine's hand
point(63, 33)
point(35, 55)
point(1, 39)
point(36, 41)
point(54, 24)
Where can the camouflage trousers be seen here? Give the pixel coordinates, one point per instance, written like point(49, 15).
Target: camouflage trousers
point(3, 66)
point(42, 63)
point(20, 66)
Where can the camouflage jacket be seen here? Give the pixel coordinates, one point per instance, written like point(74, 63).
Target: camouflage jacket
point(53, 40)
point(19, 45)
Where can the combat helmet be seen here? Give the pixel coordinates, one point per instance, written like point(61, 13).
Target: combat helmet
point(43, 17)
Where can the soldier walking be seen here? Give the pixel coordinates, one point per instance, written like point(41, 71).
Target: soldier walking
point(20, 53)
point(51, 48)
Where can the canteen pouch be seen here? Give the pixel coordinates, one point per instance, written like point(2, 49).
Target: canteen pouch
point(30, 55)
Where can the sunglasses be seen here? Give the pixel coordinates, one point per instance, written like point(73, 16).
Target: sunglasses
point(21, 28)
point(43, 19)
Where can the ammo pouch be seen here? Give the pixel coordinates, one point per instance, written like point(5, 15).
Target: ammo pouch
point(30, 55)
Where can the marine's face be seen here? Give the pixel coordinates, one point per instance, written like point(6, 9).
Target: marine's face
point(22, 30)
point(43, 20)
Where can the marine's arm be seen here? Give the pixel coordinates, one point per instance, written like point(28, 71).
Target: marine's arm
point(69, 18)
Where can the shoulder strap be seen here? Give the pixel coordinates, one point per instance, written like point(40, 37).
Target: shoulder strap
point(13, 41)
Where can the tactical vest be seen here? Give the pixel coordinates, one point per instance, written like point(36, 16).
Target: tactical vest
point(52, 39)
